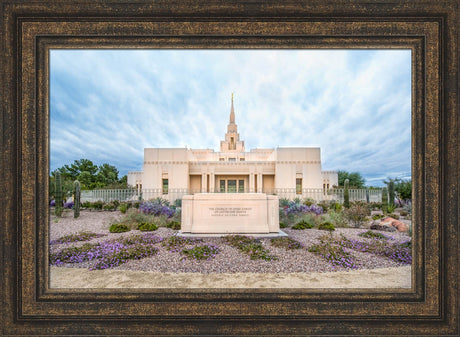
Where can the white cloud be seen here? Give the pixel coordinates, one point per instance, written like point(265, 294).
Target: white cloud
point(355, 105)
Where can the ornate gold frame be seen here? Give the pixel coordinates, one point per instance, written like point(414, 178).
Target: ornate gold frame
point(30, 29)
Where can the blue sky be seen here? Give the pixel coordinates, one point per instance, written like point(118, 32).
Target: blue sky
point(108, 105)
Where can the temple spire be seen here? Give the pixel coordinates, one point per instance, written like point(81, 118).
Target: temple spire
point(232, 113)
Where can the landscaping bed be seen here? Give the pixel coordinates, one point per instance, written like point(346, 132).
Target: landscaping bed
point(158, 250)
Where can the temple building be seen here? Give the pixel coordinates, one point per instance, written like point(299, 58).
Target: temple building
point(232, 169)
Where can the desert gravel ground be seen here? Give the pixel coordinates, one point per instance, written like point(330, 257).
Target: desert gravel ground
point(229, 269)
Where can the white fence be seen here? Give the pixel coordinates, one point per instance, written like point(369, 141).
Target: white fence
point(317, 194)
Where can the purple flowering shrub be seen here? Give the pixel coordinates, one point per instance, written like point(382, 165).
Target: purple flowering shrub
point(157, 209)
point(298, 209)
point(334, 253)
point(109, 254)
point(118, 253)
point(53, 203)
point(68, 205)
point(398, 252)
point(202, 252)
point(82, 236)
point(294, 213)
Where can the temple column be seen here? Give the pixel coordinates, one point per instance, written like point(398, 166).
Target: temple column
point(212, 182)
point(259, 182)
point(204, 183)
point(251, 183)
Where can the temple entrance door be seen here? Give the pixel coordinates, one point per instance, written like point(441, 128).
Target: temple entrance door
point(232, 185)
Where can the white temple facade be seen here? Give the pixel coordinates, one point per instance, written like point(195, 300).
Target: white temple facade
point(232, 169)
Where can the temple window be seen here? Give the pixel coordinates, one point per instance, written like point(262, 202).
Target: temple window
point(165, 186)
point(298, 186)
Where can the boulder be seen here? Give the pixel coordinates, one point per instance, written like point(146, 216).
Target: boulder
point(390, 222)
point(384, 228)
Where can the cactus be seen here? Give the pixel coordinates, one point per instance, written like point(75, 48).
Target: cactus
point(58, 194)
point(385, 199)
point(76, 204)
point(391, 193)
point(346, 194)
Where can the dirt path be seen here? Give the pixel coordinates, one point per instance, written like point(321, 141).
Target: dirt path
point(73, 278)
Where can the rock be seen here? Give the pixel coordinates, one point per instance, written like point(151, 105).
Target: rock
point(384, 228)
point(400, 226)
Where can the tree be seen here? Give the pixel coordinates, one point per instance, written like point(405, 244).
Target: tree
point(73, 171)
point(85, 178)
point(404, 188)
point(107, 174)
point(89, 175)
point(356, 180)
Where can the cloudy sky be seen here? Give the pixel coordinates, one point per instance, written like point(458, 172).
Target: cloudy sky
point(108, 105)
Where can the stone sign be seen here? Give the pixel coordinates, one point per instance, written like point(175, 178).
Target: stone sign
point(230, 213)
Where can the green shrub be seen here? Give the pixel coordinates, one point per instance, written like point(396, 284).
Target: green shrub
point(308, 201)
point(286, 243)
point(403, 213)
point(356, 215)
point(174, 225)
point(408, 208)
point(119, 228)
point(370, 234)
point(283, 225)
point(337, 218)
point(133, 217)
point(177, 203)
point(302, 225)
point(86, 204)
point(109, 207)
point(252, 247)
point(390, 208)
point(204, 252)
point(58, 210)
point(327, 226)
point(377, 216)
point(375, 205)
point(336, 206)
point(97, 205)
point(174, 243)
point(324, 204)
point(147, 227)
point(284, 202)
point(394, 216)
point(136, 204)
point(160, 201)
point(116, 203)
point(362, 204)
point(123, 208)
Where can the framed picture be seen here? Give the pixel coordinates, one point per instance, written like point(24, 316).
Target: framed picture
point(140, 106)
point(33, 30)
